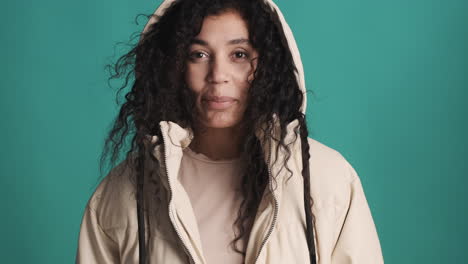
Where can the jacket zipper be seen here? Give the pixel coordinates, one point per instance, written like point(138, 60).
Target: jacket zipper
point(275, 215)
point(171, 213)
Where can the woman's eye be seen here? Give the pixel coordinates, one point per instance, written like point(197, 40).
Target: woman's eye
point(197, 55)
point(240, 54)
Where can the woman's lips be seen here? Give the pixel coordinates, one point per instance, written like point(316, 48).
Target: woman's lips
point(218, 102)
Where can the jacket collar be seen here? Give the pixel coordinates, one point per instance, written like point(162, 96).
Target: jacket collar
point(177, 138)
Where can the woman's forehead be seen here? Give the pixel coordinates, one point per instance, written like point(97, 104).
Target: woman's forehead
point(227, 28)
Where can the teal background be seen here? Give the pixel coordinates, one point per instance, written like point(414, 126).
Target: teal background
point(390, 81)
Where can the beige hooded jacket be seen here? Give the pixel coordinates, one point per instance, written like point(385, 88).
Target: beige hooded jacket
point(344, 229)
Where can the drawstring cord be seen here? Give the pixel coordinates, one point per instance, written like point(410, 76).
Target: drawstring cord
point(307, 205)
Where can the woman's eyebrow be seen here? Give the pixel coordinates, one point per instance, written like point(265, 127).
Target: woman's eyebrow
point(199, 42)
point(238, 41)
point(230, 42)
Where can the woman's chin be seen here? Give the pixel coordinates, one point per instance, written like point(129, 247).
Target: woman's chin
point(221, 123)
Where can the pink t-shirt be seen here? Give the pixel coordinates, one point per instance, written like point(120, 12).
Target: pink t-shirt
point(213, 190)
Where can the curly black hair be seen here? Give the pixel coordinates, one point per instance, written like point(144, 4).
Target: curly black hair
point(155, 68)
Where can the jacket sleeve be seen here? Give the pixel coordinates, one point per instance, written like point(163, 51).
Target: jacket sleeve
point(358, 242)
point(94, 245)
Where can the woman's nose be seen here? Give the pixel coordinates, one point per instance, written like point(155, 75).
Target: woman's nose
point(219, 71)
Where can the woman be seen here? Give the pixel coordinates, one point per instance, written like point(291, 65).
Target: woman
point(221, 169)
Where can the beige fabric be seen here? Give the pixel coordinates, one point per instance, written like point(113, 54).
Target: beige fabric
point(344, 229)
point(213, 188)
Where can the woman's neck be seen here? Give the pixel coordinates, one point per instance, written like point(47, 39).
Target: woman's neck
point(217, 143)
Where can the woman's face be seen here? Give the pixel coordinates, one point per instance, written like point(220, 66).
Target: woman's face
point(219, 70)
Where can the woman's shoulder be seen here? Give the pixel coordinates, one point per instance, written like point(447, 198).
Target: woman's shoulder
point(331, 175)
point(325, 159)
point(340, 207)
point(114, 198)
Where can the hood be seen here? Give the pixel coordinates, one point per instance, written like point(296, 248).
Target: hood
point(286, 29)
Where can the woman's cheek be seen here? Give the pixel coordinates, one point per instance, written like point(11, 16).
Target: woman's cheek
point(195, 76)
